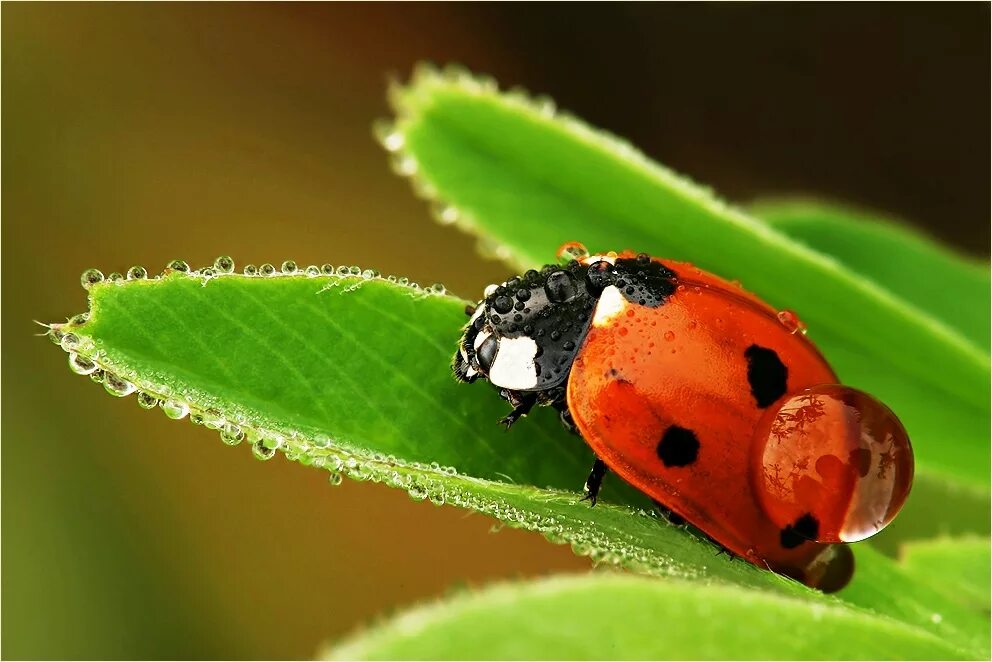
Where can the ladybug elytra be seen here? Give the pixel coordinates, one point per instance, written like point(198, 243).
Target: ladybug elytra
point(702, 396)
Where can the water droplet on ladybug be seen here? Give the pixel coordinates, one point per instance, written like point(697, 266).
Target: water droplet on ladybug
point(560, 287)
point(831, 464)
point(791, 321)
point(572, 250)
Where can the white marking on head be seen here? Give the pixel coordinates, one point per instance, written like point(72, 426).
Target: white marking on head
point(514, 366)
point(490, 289)
point(611, 303)
point(481, 338)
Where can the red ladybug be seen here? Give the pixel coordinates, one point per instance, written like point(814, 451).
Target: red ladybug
point(701, 396)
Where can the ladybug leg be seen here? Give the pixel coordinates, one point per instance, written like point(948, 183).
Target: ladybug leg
point(594, 481)
point(522, 404)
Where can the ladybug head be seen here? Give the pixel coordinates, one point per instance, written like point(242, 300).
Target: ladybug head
point(525, 333)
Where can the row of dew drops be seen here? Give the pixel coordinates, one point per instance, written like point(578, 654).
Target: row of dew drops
point(224, 266)
point(416, 478)
point(319, 450)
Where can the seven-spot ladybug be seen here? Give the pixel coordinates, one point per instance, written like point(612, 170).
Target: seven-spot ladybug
point(701, 396)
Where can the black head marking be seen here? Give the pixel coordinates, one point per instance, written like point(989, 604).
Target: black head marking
point(802, 530)
point(766, 374)
point(644, 281)
point(678, 447)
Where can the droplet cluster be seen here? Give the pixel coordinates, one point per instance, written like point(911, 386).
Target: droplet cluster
point(224, 266)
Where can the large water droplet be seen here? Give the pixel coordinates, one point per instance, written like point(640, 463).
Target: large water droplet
point(250, 270)
point(289, 267)
point(69, 342)
point(267, 269)
point(832, 464)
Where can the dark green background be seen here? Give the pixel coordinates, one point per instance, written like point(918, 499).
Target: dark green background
point(134, 134)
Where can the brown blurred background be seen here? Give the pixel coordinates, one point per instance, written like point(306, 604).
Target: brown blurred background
point(134, 134)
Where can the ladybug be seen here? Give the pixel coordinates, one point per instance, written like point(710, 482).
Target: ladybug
point(702, 396)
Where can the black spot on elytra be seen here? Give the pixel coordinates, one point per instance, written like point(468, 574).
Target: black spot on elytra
point(766, 374)
point(802, 530)
point(678, 447)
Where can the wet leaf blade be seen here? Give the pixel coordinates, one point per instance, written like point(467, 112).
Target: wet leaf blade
point(620, 617)
point(527, 181)
point(948, 286)
point(957, 567)
point(352, 375)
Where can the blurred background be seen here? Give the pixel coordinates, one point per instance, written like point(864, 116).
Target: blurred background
point(139, 133)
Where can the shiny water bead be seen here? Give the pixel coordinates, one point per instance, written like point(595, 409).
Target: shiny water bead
point(261, 451)
point(69, 341)
point(147, 400)
point(438, 288)
point(327, 269)
point(231, 434)
point(572, 250)
point(224, 265)
point(137, 273)
point(250, 270)
point(288, 267)
point(312, 270)
point(832, 464)
point(355, 270)
point(91, 277)
point(81, 365)
point(116, 385)
point(208, 272)
point(175, 409)
point(178, 265)
point(267, 269)
point(80, 318)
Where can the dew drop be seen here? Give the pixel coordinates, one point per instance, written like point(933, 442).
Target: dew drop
point(335, 479)
point(327, 269)
point(116, 277)
point(261, 451)
point(288, 267)
point(224, 265)
point(178, 265)
point(117, 386)
point(438, 288)
point(417, 493)
point(137, 273)
point(69, 342)
point(91, 277)
point(368, 274)
point(355, 271)
point(213, 420)
point(832, 464)
point(208, 272)
point(97, 376)
point(250, 270)
point(342, 270)
point(175, 409)
point(387, 135)
point(147, 400)
point(312, 271)
point(571, 250)
point(81, 365)
point(267, 269)
point(232, 435)
point(791, 322)
point(80, 319)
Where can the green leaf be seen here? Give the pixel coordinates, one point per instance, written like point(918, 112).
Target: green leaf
point(350, 373)
point(525, 180)
point(957, 567)
point(939, 282)
point(610, 617)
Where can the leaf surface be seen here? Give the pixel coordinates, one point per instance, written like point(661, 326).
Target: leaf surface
point(608, 617)
point(351, 374)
